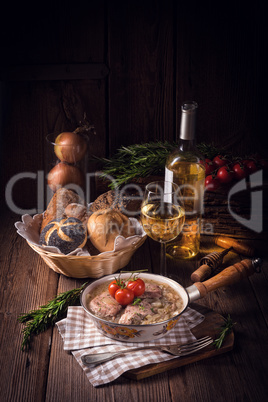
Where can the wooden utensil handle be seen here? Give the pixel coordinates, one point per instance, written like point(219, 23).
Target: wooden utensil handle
point(238, 246)
point(201, 273)
point(227, 277)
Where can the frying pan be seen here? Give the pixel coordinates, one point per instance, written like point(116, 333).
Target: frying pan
point(149, 332)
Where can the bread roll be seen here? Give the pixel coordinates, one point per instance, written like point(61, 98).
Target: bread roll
point(129, 202)
point(105, 225)
point(57, 205)
point(78, 211)
point(65, 234)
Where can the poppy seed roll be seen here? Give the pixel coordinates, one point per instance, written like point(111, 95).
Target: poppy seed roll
point(67, 234)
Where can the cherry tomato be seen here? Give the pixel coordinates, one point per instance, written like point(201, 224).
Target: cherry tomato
point(114, 286)
point(124, 296)
point(225, 175)
point(220, 160)
point(264, 164)
point(210, 166)
point(212, 183)
point(240, 171)
point(137, 286)
point(251, 166)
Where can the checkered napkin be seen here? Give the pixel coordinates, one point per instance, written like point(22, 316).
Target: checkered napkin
point(81, 337)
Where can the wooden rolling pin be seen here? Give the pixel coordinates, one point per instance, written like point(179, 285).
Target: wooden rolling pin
point(238, 246)
point(208, 264)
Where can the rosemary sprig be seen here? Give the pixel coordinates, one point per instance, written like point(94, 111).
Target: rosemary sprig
point(138, 160)
point(143, 160)
point(225, 329)
point(210, 150)
point(37, 321)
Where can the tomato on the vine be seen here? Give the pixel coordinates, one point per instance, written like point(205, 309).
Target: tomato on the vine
point(212, 183)
point(114, 286)
point(124, 296)
point(137, 286)
point(220, 160)
point(251, 166)
point(225, 175)
point(210, 166)
point(264, 164)
point(240, 171)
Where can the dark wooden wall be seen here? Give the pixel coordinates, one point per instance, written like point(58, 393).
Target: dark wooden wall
point(128, 65)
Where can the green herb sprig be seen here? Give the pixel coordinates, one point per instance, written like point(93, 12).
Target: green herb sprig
point(143, 160)
point(210, 150)
point(37, 321)
point(137, 300)
point(225, 329)
point(138, 160)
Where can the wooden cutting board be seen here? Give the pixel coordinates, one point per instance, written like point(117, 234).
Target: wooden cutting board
point(210, 326)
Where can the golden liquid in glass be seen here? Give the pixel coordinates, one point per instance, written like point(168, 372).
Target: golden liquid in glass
point(162, 221)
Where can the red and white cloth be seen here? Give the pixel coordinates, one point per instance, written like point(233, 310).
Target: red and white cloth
point(81, 337)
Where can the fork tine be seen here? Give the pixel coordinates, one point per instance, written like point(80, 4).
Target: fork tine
point(196, 348)
point(195, 343)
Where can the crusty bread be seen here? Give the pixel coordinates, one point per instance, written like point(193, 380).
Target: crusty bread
point(78, 211)
point(66, 234)
point(129, 203)
point(105, 225)
point(57, 205)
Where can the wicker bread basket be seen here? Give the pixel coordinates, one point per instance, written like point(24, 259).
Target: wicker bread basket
point(79, 263)
point(88, 266)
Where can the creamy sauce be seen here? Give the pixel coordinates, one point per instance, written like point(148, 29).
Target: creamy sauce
point(167, 306)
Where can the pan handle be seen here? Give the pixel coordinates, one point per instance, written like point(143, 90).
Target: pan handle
point(227, 277)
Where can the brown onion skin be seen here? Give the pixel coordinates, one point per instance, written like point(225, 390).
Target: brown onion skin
point(70, 147)
point(62, 174)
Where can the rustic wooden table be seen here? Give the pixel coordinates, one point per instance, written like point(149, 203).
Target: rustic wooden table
point(47, 373)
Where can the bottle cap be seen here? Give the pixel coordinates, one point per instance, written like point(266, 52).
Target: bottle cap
point(189, 106)
point(187, 129)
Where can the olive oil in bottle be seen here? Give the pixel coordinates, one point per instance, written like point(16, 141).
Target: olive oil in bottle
point(185, 166)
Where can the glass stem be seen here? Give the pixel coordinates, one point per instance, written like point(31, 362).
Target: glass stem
point(163, 261)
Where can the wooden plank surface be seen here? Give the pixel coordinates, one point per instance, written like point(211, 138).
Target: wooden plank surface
point(141, 88)
point(214, 60)
point(25, 284)
point(209, 327)
point(66, 104)
point(158, 54)
point(46, 372)
point(93, 71)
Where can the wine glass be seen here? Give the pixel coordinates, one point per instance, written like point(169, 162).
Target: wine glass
point(162, 215)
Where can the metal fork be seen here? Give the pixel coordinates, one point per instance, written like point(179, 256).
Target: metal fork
point(175, 349)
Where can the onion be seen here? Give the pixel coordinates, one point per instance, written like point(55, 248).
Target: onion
point(70, 147)
point(62, 174)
